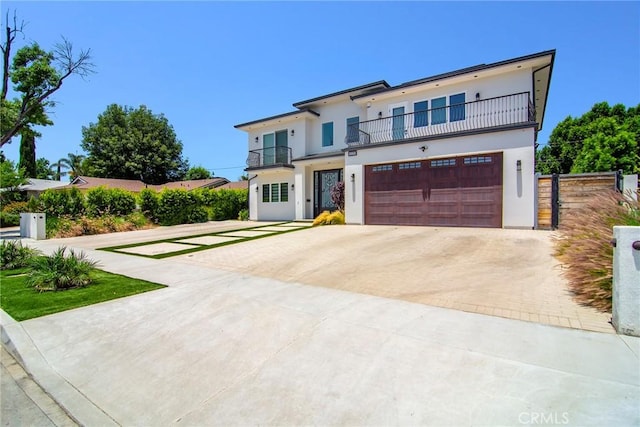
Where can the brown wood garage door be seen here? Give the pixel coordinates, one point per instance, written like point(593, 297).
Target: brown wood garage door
point(461, 191)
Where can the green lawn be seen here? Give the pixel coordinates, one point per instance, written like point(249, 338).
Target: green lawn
point(22, 302)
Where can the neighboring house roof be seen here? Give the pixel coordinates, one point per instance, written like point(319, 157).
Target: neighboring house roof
point(235, 185)
point(41, 185)
point(214, 182)
point(87, 182)
point(380, 84)
point(293, 115)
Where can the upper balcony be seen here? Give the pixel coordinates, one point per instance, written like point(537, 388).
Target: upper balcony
point(489, 113)
point(271, 157)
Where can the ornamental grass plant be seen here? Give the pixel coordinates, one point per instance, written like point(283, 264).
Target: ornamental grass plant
point(583, 245)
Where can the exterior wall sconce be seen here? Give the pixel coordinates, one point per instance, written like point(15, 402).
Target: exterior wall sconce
point(257, 139)
point(256, 188)
point(423, 148)
point(292, 187)
point(379, 114)
point(519, 165)
point(353, 177)
point(477, 96)
point(293, 132)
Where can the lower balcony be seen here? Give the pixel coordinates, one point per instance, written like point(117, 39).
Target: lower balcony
point(515, 109)
point(271, 157)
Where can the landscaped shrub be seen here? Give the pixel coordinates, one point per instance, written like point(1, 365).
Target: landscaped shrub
point(10, 214)
point(60, 271)
point(329, 218)
point(14, 255)
point(225, 203)
point(62, 202)
point(9, 219)
point(178, 206)
point(15, 207)
point(149, 204)
point(243, 215)
point(114, 201)
point(337, 195)
point(583, 244)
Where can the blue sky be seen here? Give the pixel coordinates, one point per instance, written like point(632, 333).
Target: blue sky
point(210, 65)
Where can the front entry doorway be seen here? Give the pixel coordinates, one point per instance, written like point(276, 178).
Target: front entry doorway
point(323, 181)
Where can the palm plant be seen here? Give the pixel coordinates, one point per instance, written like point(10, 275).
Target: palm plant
point(59, 271)
point(74, 163)
point(14, 255)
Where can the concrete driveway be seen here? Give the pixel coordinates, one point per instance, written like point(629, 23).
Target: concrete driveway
point(221, 346)
point(506, 273)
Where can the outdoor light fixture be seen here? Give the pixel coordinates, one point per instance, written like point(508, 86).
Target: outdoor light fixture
point(353, 177)
point(293, 132)
point(292, 187)
point(379, 114)
point(424, 147)
point(257, 139)
point(519, 165)
point(256, 188)
point(477, 96)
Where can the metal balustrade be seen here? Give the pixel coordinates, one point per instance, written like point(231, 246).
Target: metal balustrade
point(273, 156)
point(487, 113)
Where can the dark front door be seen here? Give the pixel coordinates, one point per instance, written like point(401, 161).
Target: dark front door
point(323, 181)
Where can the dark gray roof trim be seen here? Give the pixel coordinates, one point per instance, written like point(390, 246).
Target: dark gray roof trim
point(292, 113)
point(320, 156)
point(342, 92)
point(462, 71)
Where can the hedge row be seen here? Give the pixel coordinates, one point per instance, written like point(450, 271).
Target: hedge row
point(168, 207)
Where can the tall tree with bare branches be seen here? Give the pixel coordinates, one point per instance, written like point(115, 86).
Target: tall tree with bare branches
point(36, 75)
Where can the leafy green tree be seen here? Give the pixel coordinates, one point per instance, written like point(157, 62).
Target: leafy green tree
point(197, 172)
point(607, 130)
point(134, 144)
point(10, 179)
point(44, 170)
point(36, 75)
point(28, 152)
point(602, 153)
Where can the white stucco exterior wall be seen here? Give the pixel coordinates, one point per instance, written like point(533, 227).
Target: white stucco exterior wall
point(518, 187)
point(272, 211)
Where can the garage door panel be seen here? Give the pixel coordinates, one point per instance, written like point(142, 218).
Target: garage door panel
point(458, 191)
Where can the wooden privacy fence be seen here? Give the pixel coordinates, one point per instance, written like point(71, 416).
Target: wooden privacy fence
point(558, 194)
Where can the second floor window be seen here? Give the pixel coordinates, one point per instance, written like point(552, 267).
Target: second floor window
point(327, 134)
point(439, 110)
point(353, 133)
point(420, 114)
point(456, 103)
point(275, 147)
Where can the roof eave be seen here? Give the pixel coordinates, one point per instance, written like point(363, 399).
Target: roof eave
point(342, 92)
point(308, 111)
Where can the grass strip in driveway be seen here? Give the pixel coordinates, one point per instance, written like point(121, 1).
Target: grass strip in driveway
point(191, 245)
point(22, 302)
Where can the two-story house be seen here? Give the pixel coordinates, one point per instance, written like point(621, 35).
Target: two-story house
point(455, 149)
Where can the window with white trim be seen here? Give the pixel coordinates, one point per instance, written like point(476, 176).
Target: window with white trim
point(275, 193)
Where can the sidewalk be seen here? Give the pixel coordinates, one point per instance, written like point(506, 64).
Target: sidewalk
point(225, 348)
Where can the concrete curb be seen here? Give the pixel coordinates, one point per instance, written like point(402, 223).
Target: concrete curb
point(19, 344)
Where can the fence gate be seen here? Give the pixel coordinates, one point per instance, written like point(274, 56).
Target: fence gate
point(558, 194)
